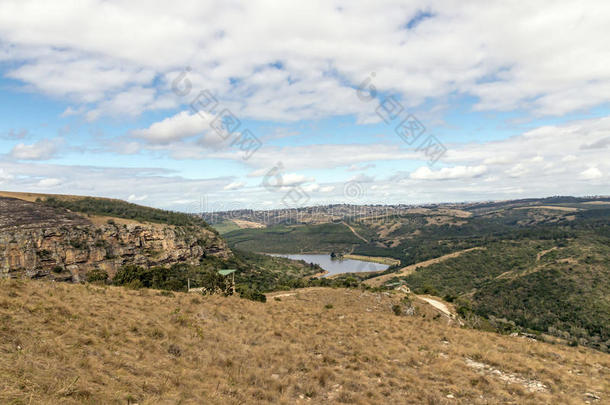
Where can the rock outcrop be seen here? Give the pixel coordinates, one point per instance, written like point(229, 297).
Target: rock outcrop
point(38, 241)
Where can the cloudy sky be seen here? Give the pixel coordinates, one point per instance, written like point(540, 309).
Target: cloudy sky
point(228, 104)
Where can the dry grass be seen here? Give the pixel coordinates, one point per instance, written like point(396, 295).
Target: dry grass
point(101, 220)
point(248, 224)
point(31, 197)
point(374, 259)
point(62, 343)
point(548, 207)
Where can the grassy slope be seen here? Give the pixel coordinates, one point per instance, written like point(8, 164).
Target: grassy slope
point(572, 300)
point(110, 207)
point(226, 227)
point(123, 209)
point(564, 290)
point(293, 239)
point(62, 343)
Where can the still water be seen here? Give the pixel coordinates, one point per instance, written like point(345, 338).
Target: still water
point(337, 266)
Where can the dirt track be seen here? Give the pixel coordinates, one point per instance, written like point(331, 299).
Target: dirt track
point(355, 233)
point(438, 305)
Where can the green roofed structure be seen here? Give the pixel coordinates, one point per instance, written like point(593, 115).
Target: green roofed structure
point(226, 272)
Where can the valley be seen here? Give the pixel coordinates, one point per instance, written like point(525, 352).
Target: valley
point(534, 265)
point(468, 303)
point(304, 202)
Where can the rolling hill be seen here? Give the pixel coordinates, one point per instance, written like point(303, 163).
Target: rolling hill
point(537, 265)
point(89, 344)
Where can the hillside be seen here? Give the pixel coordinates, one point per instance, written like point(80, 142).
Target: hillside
point(66, 343)
point(232, 220)
point(76, 238)
point(536, 265)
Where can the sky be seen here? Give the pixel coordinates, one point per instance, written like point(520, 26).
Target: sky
point(219, 105)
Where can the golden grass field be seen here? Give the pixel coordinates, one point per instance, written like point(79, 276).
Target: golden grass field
point(383, 260)
point(31, 197)
point(64, 343)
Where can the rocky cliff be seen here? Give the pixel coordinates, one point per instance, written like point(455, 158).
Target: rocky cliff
point(39, 241)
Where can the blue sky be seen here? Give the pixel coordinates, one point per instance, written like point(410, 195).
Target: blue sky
point(93, 101)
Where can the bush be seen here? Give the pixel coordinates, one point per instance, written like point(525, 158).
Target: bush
point(253, 295)
point(174, 350)
point(97, 275)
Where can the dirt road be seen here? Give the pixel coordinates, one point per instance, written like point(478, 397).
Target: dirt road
point(438, 305)
point(355, 233)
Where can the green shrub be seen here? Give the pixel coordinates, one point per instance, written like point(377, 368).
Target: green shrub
point(253, 295)
point(97, 275)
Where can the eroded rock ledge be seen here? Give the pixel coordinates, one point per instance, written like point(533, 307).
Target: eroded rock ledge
point(40, 241)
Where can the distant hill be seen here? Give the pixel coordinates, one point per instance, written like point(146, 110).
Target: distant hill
point(544, 266)
point(229, 220)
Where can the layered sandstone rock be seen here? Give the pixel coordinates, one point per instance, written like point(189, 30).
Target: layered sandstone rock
point(41, 241)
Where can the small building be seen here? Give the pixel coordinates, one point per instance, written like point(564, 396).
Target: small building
point(229, 272)
point(229, 284)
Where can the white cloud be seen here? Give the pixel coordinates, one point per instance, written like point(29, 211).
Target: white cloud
point(295, 179)
point(5, 175)
point(180, 126)
point(259, 172)
point(277, 68)
point(458, 172)
point(591, 173)
point(49, 183)
point(273, 67)
point(569, 158)
point(163, 187)
point(41, 150)
point(356, 168)
point(320, 156)
point(309, 188)
point(236, 185)
point(362, 178)
point(133, 197)
point(517, 170)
